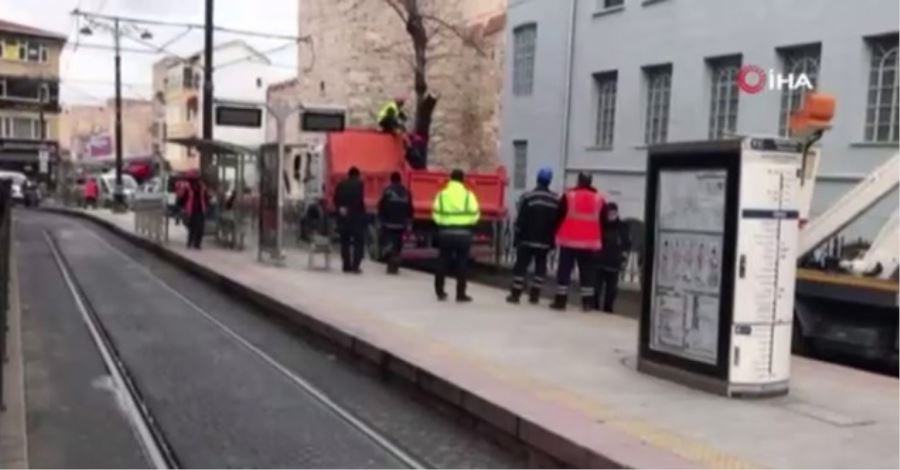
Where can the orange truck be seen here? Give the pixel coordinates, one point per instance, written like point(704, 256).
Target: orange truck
point(377, 155)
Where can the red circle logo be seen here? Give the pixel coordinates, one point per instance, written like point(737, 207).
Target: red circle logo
point(751, 79)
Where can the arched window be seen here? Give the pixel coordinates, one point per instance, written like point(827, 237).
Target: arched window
point(723, 96)
point(884, 97)
point(797, 61)
point(524, 44)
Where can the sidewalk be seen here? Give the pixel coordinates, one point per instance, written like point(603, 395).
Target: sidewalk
point(565, 383)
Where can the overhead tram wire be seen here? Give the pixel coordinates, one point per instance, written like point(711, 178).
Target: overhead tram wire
point(223, 29)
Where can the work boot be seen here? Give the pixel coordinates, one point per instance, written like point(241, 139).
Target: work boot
point(534, 296)
point(441, 296)
point(463, 299)
point(513, 296)
point(559, 303)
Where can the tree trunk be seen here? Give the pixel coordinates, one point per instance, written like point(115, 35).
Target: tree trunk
point(425, 102)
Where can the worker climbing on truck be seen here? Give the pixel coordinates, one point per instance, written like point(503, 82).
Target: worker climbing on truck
point(392, 117)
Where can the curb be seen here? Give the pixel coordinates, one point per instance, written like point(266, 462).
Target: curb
point(547, 448)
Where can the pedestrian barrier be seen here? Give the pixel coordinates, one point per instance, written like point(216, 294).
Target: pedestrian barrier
point(5, 254)
point(150, 218)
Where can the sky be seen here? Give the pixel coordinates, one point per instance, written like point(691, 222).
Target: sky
point(88, 74)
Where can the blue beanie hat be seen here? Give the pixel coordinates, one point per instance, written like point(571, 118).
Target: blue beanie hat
point(545, 175)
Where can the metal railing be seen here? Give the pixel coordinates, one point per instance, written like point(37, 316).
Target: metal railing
point(5, 255)
point(150, 218)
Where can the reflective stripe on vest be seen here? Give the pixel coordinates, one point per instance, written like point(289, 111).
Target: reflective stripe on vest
point(592, 214)
point(465, 216)
point(580, 228)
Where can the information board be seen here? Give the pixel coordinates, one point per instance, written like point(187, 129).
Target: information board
point(688, 266)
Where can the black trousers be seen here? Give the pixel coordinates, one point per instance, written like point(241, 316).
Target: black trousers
point(393, 241)
point(454, 259)
point(607, 282)
point(352, 246)
point(196, 226)
point(585, 259)
point(525, 256)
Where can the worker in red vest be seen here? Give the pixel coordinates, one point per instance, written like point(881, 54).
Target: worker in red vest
point(91, 191)
point(194, 201)
point(579, 237)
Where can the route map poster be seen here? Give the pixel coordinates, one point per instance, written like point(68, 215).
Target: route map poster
point(687, 271)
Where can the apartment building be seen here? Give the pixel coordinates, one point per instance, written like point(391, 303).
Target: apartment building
point(594, 82)
point(29, 100)
point(241, 76)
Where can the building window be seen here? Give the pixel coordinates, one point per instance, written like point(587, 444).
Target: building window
point(524, 40)
point(659, 93)
point(520, 164)
point(2, 87)
point(797, 61)
point(44, 93)
point(723, 96)
point(606, 108)
point(607, 4)
point(45, 55)
point(23, 128)
point(882, 104)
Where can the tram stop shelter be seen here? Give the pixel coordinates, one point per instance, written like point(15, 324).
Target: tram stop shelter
point(223, 169)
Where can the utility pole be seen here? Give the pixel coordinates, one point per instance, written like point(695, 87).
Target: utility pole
point(118, 192)
point(205, 157)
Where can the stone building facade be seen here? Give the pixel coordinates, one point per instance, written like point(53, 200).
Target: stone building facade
point(360, 57)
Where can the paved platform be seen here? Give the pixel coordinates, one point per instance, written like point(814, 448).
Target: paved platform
point(565, 383)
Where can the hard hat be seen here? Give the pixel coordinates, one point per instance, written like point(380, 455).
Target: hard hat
point(400, 99)
point(545, 175)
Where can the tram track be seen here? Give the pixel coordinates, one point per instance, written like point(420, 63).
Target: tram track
point(181, 428)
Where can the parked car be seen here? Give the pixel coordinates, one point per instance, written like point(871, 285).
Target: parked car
point(18, 184)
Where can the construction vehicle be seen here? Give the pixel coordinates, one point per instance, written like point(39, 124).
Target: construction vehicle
point(845, 305)
point(377, 154)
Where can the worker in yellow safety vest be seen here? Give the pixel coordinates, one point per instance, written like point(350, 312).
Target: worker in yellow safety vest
point(392, 118)
point(455, 213)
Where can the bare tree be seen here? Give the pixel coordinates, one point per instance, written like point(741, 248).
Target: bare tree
point(421, 26)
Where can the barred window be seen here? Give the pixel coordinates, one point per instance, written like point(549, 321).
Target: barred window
point(524, 40)
point(606, 108)
point(797, 61)
point(723, 96)
point(520, 164)
point(882, 104)
point(659, 92)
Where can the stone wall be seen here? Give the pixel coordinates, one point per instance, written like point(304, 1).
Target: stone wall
point(361, 56)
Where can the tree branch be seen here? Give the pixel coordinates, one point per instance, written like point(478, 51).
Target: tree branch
point(467, 39)
point(401, 11)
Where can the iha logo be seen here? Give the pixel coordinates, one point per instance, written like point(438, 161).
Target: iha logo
point(753, 79)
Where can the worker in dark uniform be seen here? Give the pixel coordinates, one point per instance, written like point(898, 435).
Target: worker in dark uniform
point(616, 244)
point(456, 213)
point(350, 204)
point(395, 212)
point(194, 203)
point(535, 229)
point(579, 237)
